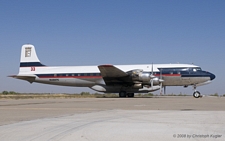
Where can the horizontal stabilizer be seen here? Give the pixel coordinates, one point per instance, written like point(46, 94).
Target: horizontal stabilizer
point(30, 78)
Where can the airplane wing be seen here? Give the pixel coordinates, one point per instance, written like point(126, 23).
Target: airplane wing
point(113, 75)
point(111, 71)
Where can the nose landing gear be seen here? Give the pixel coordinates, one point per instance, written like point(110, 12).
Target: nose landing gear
point(196, 93)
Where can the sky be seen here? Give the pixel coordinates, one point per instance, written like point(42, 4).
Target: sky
point(87, 32)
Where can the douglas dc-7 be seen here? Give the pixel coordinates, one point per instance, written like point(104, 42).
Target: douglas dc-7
point(123, 79)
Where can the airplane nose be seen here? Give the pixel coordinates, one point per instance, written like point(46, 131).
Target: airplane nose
point(212, 76)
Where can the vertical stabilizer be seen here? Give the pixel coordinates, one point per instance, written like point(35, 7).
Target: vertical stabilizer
point(29, 57)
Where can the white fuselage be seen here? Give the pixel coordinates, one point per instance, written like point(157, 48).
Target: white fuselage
point(89, 76)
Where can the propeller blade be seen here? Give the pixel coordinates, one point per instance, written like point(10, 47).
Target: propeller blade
point(152, 73)
point(160, 81)
point(164, 90)
point(152, 68)
point(160, 74)
point(160, 88)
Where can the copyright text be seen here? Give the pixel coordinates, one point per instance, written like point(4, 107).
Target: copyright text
point(204, 136)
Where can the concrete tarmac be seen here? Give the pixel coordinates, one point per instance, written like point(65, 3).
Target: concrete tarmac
point(113, 119)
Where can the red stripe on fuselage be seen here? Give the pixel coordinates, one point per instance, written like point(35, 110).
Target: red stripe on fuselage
point(70, 77)
point(157, 75)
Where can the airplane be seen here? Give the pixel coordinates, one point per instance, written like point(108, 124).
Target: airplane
point(123, 79)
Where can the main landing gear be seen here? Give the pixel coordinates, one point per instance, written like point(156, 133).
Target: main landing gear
point(125, 94)
point(196, 93)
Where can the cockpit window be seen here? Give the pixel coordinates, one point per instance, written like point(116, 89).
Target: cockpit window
point(179, 70)
point(196, 69)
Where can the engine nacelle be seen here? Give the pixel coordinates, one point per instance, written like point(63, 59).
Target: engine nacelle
point(137, 86)
point(156, 81)
point(141, 76)
point(144, 78)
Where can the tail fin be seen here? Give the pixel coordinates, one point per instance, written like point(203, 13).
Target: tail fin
point(29, 57)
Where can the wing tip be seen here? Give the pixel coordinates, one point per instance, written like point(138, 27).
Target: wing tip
point(107, 65)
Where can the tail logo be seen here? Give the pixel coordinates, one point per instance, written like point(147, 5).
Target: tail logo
point(28, 52)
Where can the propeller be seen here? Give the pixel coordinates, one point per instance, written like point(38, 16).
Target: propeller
point(152, 76)
point(164, 90)
point(160, 81)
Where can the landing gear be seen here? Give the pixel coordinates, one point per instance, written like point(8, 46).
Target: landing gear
point(197, 94)
point(125, 94)
point(122, 94)
point(130, 94)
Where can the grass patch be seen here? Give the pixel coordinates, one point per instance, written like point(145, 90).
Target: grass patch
point(216, 94)
point(15, 95)
point(44, 96)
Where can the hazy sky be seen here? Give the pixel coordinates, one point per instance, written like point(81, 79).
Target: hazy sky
point(88, 32)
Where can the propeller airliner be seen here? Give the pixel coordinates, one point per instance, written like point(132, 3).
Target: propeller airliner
point(123, 79)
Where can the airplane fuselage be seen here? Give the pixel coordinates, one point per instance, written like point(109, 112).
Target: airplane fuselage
point(90, 76)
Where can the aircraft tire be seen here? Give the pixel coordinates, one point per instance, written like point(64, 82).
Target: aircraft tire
point(130, 94)
point(122, 94)
point(196, 94)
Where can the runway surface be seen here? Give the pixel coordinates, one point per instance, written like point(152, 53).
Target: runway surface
point(113, 119)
